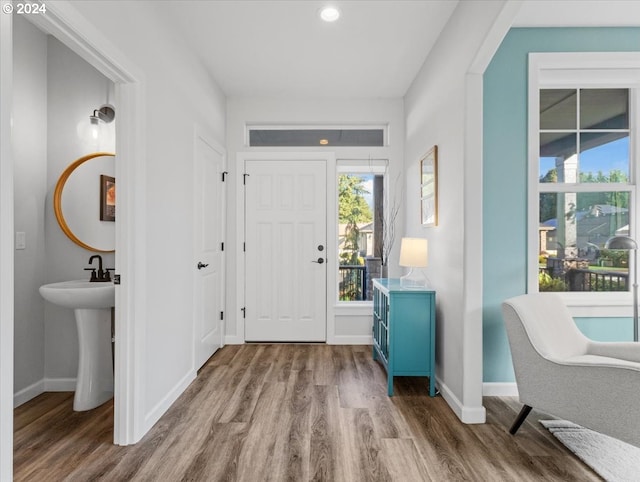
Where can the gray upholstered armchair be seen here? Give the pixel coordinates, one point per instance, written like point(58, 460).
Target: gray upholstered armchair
point(561, 372)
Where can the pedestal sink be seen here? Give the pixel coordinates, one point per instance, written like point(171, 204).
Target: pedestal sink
point(92, 303)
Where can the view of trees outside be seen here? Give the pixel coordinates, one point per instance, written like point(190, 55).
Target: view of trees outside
point(354, 211)
point(587, 200)
point(584, 141)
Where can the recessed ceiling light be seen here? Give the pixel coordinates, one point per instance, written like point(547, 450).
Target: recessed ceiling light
point(329, 14)
point(324, 142)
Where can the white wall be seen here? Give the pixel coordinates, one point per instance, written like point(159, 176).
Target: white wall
point(30, 167)
point(437, 109)
point(75, 89)
point(178, 94)
point(352, 325)
point(6, 248)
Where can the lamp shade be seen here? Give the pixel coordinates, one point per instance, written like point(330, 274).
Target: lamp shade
point(414, 252)
point(621, 242)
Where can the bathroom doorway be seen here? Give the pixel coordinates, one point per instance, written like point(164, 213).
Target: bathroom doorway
point(75, 33)
point(57, 199)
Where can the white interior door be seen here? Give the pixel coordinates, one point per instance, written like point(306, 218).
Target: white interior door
point(285, 248)
point(208, 256)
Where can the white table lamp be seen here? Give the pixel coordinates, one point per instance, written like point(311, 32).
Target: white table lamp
point(413, 254)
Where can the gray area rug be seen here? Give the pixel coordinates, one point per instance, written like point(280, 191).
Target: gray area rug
point(612, 459)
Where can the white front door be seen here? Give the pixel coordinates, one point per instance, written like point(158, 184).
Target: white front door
point(209, 207)
point(285, 250)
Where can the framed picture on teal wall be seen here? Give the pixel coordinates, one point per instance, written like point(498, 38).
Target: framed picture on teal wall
point(429, 187)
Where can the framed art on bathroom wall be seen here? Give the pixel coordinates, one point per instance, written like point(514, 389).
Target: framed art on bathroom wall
point(107, 198)
point(429, 187)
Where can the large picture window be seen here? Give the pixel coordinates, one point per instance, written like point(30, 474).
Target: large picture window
point(583, 158)
point(584, 189)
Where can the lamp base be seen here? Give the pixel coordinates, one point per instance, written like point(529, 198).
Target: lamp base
point(414, 279)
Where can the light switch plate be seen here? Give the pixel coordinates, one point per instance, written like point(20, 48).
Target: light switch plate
point(21, 240)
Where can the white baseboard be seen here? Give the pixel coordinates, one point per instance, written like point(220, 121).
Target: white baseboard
point(163, 405)
point(351, 340)
point(28, 393)
point(466, 414)
point(41, 386)
point(336, 340)
point(495, 389)
point(59, 384)
point(233, 340)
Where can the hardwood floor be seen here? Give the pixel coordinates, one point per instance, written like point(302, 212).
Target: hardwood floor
point(292, 412)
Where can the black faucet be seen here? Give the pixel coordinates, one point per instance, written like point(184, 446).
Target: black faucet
point(102, 275)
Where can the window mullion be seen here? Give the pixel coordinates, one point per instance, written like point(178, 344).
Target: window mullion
point(583, 187)
point(575, 218)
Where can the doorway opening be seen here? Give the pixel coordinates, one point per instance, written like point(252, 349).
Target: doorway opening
point(80, 36)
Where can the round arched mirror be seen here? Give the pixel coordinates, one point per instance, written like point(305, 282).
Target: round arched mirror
point(84, 202)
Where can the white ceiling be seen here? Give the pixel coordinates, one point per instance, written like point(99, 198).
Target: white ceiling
point(575, 13)
point(282, 48)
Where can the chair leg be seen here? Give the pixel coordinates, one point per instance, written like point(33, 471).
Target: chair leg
point(520, 419)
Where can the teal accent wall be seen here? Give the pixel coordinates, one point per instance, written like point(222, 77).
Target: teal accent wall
point(606, 329)
point(505, 177)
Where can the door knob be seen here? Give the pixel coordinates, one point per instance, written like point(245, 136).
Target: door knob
point(202, 265)
point(320, 248)
point(320, 261)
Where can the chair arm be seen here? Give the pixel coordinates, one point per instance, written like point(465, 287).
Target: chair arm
point(622, 350)
point(595, 361)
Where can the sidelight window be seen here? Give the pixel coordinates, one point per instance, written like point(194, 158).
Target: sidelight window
point(360, 237)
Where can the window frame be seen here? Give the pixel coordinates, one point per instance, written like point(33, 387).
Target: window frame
point(584, 70)
point(301, 127)
point(355, 166)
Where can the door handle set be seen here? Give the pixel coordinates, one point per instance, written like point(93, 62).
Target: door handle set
point(320, 260)
point(202, 265)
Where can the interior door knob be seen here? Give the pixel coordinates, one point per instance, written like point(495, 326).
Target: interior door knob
point(202, 265)
point(319, 261)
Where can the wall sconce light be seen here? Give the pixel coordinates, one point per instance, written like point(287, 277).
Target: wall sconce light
point(106, 114)
point(414, 254)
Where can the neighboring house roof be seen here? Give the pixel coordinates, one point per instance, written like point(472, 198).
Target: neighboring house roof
point(595, 211)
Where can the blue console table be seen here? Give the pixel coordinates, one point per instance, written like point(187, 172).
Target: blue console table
point(404, 331)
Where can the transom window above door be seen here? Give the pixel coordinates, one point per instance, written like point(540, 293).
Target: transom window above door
point(283, 136)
